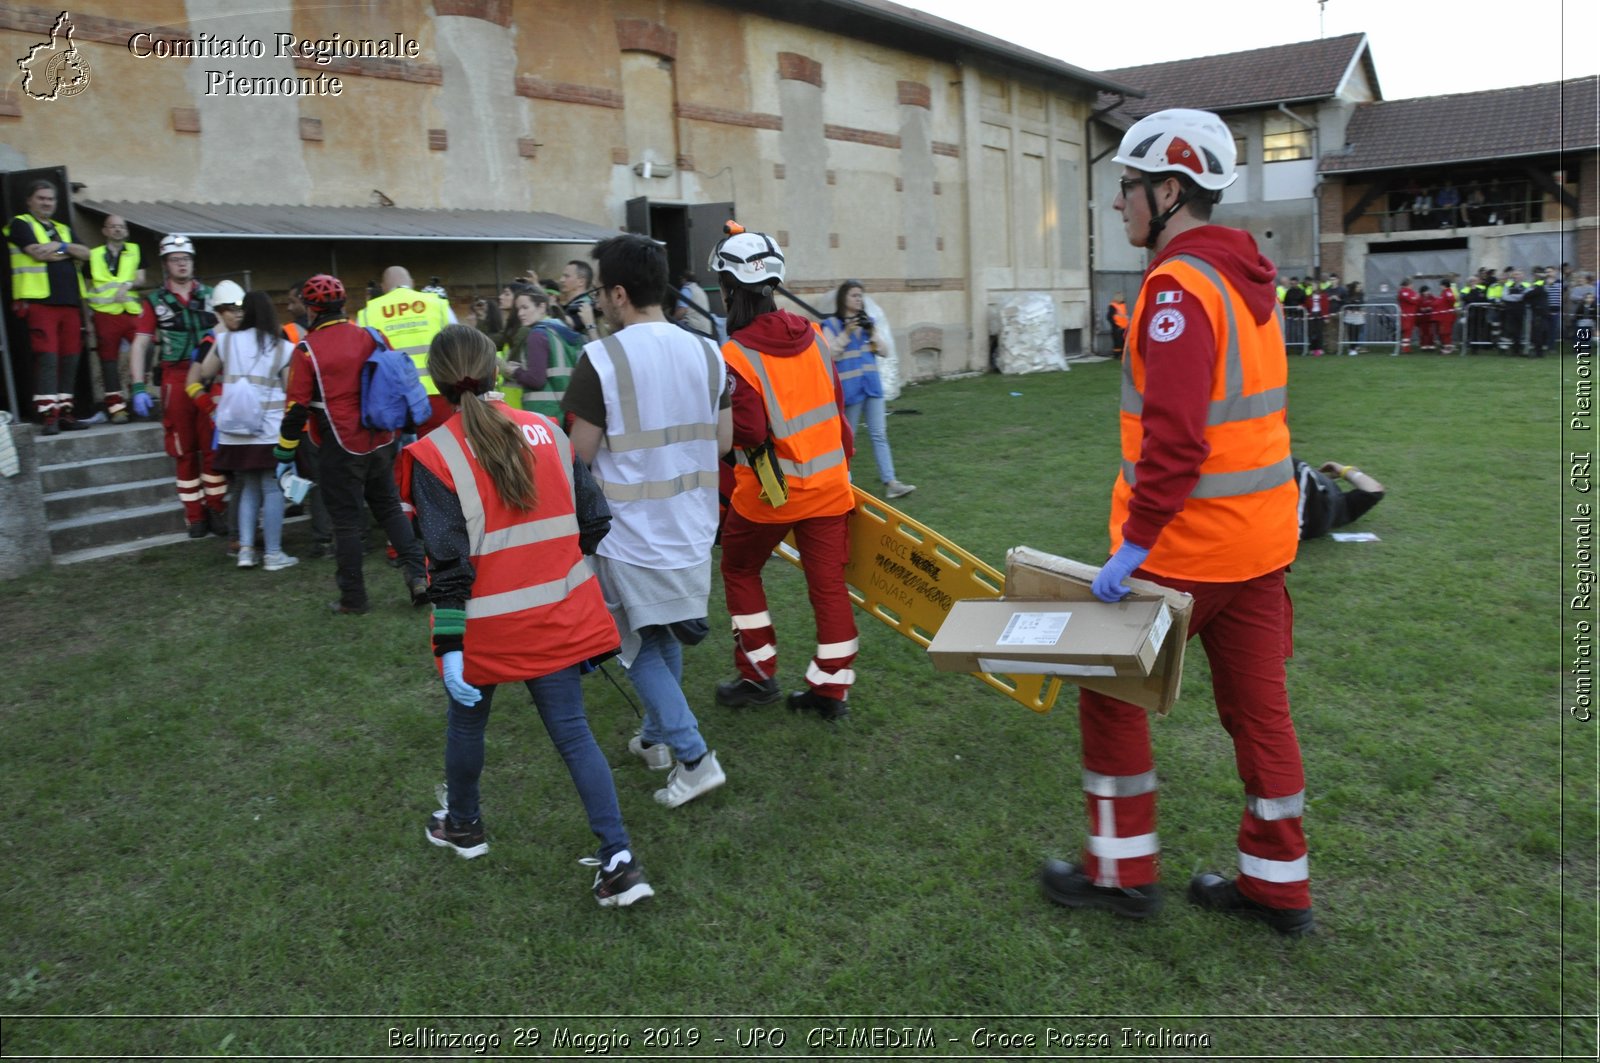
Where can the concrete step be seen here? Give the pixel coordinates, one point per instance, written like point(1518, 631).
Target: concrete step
point(109, 498)
point(98, 472)
point(99, 441)
point(96, 553)
point(124, 526)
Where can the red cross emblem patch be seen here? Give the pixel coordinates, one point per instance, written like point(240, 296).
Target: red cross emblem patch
point(1166, 324)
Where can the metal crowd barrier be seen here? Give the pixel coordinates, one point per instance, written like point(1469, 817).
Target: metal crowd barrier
point(1480, 327)
point(1375, 330)
point(1294, 329)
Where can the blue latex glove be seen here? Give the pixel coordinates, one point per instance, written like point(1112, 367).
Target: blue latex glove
point(464, 692)
point(283, 467)
point(142, 404)
point(1108, 585)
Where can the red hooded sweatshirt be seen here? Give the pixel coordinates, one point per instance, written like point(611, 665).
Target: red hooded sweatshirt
point(1178, 374)
point(781, 335)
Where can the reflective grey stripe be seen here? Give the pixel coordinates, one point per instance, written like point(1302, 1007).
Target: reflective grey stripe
point(658, 489)
point(628, 437)
point(851, 374)
point(810, 468)
point(530, 532)
point(1229, 484)
point(30, 269)
point(660, 437)
point(1269, 808)
point(530, 597)
point(542, 396)
point(1118, 785)
point(784, 427)
point(466, 484)
point(1234, 404)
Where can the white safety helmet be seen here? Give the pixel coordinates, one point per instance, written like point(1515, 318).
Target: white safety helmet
point(227, 293)
point(1178, 140)
point(751, 258)
point(176, 245)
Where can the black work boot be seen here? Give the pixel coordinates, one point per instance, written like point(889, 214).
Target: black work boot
point(809, 700)
point(1218, 894)
point(1067, 885)
point(738, 692)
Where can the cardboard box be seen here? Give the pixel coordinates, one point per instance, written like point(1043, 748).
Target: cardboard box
point(1072, 640)
point(1034, 574)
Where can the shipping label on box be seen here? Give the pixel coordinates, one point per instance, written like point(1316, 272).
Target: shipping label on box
point(1033, 573)
point(1070, 640)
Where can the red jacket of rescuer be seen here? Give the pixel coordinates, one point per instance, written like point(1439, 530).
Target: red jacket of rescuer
point(1206, 474)
point(787, 366)
point(536, 606)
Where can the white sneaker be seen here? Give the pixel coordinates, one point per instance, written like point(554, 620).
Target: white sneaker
point(684, 785)
point(247, 557)
point(278, 562)
point(656, 756)
point(896, 489)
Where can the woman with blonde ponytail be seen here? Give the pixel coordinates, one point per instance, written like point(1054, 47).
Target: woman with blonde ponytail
point(507, 518)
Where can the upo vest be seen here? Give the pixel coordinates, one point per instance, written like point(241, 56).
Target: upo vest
point(1241, 520)
point(658, 468)
point(30, 278)
point(807, 432)
point(105, 282)
point(536, 606)
point(1119, 312)
point(410, 319)
point(181, 326)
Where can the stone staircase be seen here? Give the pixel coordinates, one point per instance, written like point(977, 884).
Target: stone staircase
point(108, 491)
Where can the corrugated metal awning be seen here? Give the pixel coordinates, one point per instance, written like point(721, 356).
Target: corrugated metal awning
point(238, 221)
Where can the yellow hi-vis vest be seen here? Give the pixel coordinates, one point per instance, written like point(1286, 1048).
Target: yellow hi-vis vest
point(410, 319)
point(104, 283)
point(30, 278)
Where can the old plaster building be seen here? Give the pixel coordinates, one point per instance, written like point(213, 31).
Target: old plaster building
point(942, 167)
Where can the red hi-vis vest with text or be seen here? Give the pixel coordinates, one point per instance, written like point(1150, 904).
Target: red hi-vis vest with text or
point(1241, 520)
point(807, 432)
point(536, 606)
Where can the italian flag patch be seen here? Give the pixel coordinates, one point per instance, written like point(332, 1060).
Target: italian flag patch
point(1168, 297)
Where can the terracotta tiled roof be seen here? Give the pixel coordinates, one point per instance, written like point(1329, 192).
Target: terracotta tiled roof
point(1471, 126)
point(1261, 77)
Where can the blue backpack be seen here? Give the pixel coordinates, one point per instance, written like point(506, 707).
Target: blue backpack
point(392, 396)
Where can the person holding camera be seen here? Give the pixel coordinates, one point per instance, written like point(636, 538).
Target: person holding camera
point(855, 357)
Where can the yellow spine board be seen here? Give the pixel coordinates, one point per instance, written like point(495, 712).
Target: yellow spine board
point(908, 575)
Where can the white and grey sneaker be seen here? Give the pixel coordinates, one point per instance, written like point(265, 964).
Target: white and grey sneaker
point(685, 784)
point(247, 557)
point(896, 489)
point(657, 756)
point(278, 562)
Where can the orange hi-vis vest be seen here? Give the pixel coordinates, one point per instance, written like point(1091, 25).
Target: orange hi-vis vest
point(807, 432)
point(1119, 314)
point(536, 606)
point(1242, 518)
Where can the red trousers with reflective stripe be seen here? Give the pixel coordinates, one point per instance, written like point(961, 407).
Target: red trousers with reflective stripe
point(189, 431)
point(824, 547)
point(1247, 631)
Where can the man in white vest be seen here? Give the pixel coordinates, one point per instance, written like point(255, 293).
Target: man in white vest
point(650, 415)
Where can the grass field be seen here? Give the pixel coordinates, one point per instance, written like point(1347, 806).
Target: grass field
point(220, 792)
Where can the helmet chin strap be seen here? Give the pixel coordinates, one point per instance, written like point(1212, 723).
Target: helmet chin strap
point(1158, 222)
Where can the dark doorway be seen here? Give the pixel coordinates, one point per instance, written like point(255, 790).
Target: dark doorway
point(689, 231)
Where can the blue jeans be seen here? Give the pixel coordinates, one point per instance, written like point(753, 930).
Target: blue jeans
point(879, 432)
point(259, 494)
point(559, 699)
point(657, 674)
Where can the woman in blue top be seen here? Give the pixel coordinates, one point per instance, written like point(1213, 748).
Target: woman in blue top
point(855, 356)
